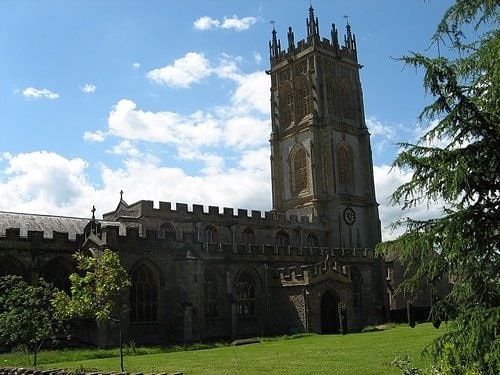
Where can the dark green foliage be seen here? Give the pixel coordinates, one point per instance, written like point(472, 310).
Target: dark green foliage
point(27, 317)
point(456, 164)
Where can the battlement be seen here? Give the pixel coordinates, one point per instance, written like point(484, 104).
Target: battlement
point(34, 235)
point(169, 210)
point(305, 274)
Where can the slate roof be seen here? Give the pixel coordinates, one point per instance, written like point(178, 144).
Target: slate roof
point(47, 224)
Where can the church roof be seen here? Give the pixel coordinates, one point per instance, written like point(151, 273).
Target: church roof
point(45, 223)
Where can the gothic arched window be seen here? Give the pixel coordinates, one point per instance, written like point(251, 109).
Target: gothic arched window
point(248, 236)
point(285, 98)
point(312, 240)
point(210, 234)
point(345, 165)
point(356, 287)
point(11, 266)
point(282, 238)
point(212, 294)
point(57, 272)
point(167, 231)
point(300, 179)
point(330, 94)
point(143, 295)
point(302, 98)
point(246, 295)
point(347, 99)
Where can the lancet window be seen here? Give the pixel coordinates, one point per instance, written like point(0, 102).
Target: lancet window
point(143, 295)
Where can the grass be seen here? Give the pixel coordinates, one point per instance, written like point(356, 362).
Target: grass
point(362, 353)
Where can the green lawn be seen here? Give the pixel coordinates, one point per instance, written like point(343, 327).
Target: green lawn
point(361, 353)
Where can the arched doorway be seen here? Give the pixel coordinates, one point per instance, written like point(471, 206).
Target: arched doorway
point(329, 313)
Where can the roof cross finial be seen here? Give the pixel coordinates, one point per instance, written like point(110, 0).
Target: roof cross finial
point(121, 194)
point(93, 212)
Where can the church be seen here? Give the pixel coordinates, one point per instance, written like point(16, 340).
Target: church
point(205, 273)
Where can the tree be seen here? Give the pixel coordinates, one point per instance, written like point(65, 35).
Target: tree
point(94, 289)
point(27, 317)
point(456, 163)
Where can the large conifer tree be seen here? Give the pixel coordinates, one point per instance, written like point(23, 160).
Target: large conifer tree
point(456, 163)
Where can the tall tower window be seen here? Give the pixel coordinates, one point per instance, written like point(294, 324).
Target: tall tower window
point(300, 180)
point(302, 98)
point(347, 100)
point(330, 95)
point(345, 166)
point(285, 105)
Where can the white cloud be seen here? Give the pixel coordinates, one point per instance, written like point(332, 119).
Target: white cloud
point(206, 23)
point(253, 92)
point(386, 181)
point(238, 24)
point(189, 69)
point(197, 129)
point(42, 180)
point(233, 22)
point(47, 183)
point(89, 88)
point(97, 136)
point(34, 93)
point(126, 148)
point(136, 65)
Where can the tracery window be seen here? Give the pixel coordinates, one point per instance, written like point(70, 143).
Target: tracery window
point(300, 179)
point(285, 105)
point(210, 234)
point(10, 266)
point(167, 231)
point(302, 98)
point(356, 287)
point(347, 100)
point(248, 236)
point(330, 94)
point(57, 272)
point(282, 238)
point(143, 295)
point(246, 299)
point(312, 240)
point(345, 165)
point(211, 294)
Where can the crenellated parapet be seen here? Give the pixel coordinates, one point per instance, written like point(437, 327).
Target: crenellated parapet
point(311, 273)
point(198, 212)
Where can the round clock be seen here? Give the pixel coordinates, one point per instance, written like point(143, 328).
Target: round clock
point(349, 216)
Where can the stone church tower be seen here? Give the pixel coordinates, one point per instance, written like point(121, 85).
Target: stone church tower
point(321, 161)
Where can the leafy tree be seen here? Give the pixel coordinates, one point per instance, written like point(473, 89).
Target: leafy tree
point(27, 317)
point(94, 289)
point(456, 163)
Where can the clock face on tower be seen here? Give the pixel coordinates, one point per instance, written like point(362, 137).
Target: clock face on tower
point(349, 216)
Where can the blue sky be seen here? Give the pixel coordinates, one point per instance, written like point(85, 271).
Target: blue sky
point(168, 100)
